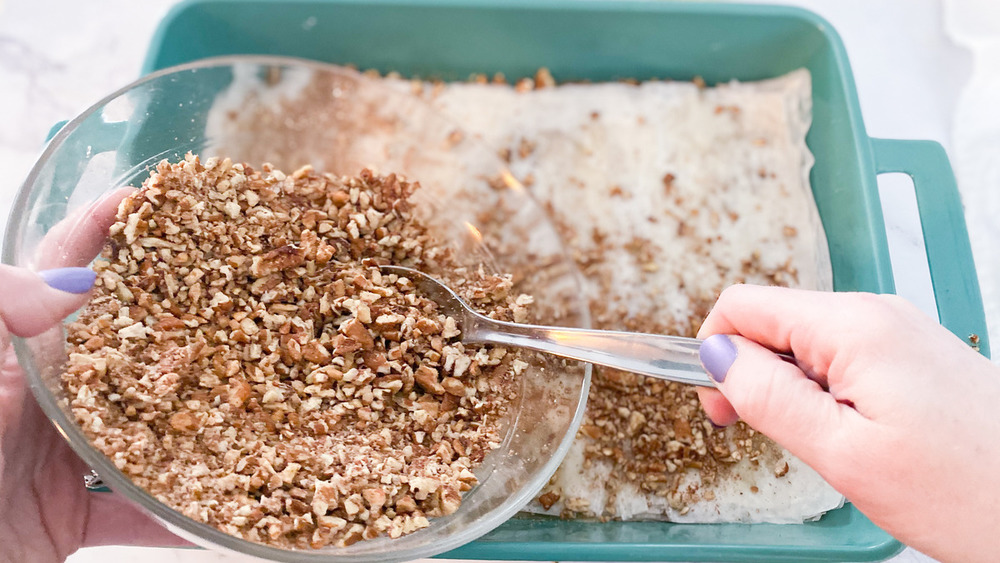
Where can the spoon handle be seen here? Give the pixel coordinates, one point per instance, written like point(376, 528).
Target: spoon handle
point(673, 358)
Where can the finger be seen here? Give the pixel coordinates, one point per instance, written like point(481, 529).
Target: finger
point(717, 407)
point(828, 331)
point(78, 238)
point(112, 520)
point(31, 303)
point(765, 314)
point(774, 397)
point(8, 362)
point(789, 320)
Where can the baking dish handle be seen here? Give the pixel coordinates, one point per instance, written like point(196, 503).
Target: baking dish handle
point(946, 238)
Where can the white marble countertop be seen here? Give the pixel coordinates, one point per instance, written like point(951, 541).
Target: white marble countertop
point(925, 69)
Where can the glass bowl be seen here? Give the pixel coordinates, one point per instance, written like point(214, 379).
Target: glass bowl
point(292, 112)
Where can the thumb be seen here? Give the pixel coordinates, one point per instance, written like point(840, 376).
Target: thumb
point(776, 398)
point(31, 303)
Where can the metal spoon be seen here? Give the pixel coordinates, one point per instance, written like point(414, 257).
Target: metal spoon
point(673, 358)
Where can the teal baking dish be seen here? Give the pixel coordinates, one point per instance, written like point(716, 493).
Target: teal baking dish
point(607, 40)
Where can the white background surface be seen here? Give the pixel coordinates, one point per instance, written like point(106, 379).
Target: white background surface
point(925, 69)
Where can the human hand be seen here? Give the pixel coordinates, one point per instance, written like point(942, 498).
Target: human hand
point(897, 413)
point(45, 511)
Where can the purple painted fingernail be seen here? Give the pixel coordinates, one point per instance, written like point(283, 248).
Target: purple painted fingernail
point(717, 353)
point(70, 280)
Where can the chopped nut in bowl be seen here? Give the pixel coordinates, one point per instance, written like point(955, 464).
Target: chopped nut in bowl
point(243, 371)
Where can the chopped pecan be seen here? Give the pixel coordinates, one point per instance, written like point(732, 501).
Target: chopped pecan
point(277, 260)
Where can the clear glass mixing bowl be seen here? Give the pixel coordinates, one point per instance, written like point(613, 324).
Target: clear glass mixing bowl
point(290, 113)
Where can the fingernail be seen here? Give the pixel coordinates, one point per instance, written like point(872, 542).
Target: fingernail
point(70, 280)
point(717, 353)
